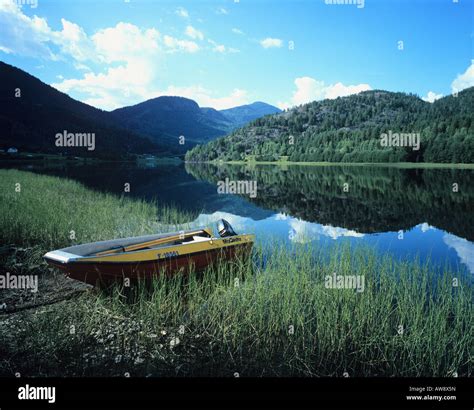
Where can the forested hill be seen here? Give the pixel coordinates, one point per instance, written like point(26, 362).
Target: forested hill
point(348, 129)
point(30, 120)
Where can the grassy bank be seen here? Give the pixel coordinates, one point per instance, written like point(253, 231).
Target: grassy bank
point(47, 157)
point(275, 321)
point(262, 319)
point(49, 212)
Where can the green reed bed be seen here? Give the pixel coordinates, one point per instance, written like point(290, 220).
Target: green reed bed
point(278, 320)
point(49, 212)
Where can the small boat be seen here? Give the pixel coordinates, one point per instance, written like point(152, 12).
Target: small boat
point(106, 262)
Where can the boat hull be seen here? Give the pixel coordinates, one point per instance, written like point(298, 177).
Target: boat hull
point(104, 273)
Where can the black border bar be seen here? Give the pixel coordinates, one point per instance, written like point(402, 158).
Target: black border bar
point(242, 393)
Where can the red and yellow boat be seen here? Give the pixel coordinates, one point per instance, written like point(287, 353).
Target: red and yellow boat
point(106, 262)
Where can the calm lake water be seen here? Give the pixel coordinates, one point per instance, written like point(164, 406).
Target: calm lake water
point(405, 212)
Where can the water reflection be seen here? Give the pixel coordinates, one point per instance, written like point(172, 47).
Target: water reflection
point(377, 199)
point(422, 241)
point(406, 212)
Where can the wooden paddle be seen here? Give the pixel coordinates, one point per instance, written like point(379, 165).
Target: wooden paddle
point(142, 245)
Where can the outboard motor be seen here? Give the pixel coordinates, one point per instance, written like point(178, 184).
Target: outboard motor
point(224, 229)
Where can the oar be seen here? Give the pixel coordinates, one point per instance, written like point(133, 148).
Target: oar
point(148, 244)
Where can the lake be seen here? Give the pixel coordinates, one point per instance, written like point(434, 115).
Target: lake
point(425, 213)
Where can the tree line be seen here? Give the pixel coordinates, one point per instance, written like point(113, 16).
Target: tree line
point(349, 129)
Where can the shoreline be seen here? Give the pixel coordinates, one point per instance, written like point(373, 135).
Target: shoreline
point(352, 164)
point(176, 160)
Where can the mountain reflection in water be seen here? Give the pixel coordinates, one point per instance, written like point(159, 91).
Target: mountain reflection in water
point(407, 212)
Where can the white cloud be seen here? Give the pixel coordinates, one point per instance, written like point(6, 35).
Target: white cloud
point(107, 102)
point(131, 84)
point(80, 66)
point(115, 87)
point(73, 40)
point(432, 97)
point(308, 89)
point(271, 42)
point(425, 227)
point(305, 232)
point(138, 52)
point(206, 98)
point(220, 48)
point(182, 12)
point(299, 231)
point(126, 42)
point(239, 223)
point(222, 10)
point(23, 35)
point(174, 44)
point(463, 248)
point(341, 90)
point(32, 37)
point(237, 31)
point(464, 80)
point(193, 33)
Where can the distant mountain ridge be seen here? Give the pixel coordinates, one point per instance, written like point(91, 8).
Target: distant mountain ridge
point(30, 122)
point(169, 117)
point(349, 129)
point(166, 118)
point(245, 113)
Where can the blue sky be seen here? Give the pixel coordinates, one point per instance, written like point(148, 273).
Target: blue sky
point(226, 53)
